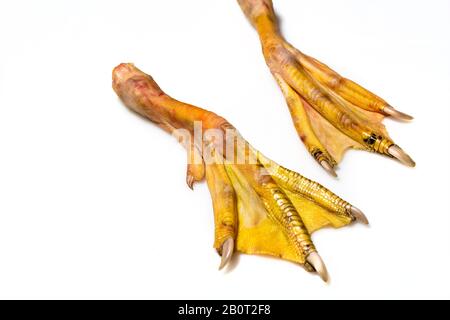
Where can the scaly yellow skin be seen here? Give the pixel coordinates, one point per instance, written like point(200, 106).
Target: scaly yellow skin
point(259, 206)
point(330, 113)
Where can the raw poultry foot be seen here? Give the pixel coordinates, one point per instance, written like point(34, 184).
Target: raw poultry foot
point(259, 206)
point(330, 113)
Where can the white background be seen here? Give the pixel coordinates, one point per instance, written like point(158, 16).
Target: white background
point(93, 201)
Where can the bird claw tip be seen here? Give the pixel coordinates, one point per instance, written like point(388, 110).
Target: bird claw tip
point(328, 167)
point(401, 155)
point(319, 266)
point(390, 111)
point(227, 252)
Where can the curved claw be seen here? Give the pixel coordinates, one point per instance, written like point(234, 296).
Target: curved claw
point(358, 215)
point(317, 263)
point(328, 168)
point(227, 252)
point(190, 181)
point(401, 155)
point(397, 114)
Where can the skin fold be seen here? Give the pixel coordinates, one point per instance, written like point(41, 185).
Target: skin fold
point(259, 206)
point(330, 113)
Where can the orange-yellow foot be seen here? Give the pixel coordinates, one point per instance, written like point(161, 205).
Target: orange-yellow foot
point(330, 113)
point(259, 206)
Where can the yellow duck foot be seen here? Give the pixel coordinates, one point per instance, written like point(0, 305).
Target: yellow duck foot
point(259, 206)
point(330, 113)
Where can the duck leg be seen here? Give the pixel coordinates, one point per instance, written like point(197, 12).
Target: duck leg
point(330, 112)
point(259, 206)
